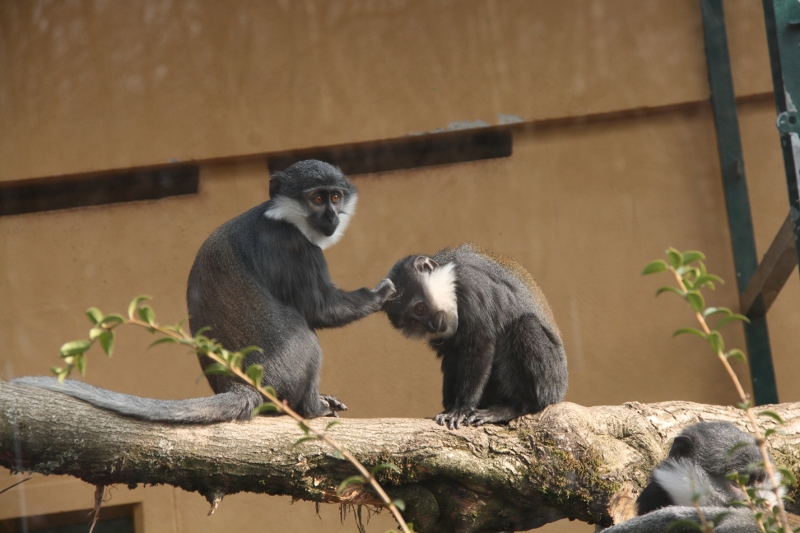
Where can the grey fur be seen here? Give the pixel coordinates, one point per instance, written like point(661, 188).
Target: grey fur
point(501, 351)
point(699, 460)
point(261, 280)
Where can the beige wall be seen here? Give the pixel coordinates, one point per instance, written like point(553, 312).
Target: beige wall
point(582, 204)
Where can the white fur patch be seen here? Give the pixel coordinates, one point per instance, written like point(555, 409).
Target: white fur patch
point(292, 211)
point(440, 284)
point(764, 490)
point(683, 480)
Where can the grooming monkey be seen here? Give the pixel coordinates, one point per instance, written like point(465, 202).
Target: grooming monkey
point(261, 280)
point(488, 321)
point(699, 460)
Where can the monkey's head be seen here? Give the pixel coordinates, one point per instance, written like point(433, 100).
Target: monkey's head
point(425, 305)
point(718, 449)
point(314, 196)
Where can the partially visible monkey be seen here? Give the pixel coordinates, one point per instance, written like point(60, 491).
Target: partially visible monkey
point(488, 321)
point(695, 470)
point(261, 280)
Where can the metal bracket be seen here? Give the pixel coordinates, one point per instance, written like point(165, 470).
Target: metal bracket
point(788, 122)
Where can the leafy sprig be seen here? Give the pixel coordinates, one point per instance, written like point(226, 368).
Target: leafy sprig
point(691, 276)
point(224, 362)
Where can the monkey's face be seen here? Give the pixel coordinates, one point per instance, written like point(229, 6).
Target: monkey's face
point(425, 304)
point(323, 206)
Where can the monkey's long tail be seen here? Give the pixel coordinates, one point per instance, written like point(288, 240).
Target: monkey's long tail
point(223, 407)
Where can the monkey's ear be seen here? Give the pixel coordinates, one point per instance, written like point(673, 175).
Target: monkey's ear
point(275, 184)
point(682, 446)
point(424, 264)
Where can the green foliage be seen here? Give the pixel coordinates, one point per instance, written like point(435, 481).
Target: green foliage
point(691, 277)
point(223, 362)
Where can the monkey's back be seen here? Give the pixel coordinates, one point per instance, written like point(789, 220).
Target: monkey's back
point(478, 267)
point(231, 290)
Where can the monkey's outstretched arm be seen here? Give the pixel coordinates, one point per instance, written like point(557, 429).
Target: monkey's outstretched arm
point(338, 308)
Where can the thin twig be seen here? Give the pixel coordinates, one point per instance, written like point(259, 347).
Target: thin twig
point(21, 481)
point(745, 399)
point(184, 338)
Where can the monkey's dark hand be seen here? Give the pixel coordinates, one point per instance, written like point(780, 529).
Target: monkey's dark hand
point(454, 417)
point(385, 289)
point(333, 404)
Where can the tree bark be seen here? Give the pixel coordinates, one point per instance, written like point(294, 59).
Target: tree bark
point(581, 463)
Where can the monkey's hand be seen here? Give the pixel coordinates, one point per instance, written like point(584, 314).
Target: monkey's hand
point(454, 417)
point(385, 289)
point(333, 404)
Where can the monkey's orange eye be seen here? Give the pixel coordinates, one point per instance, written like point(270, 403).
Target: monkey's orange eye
point(335, 197)
point(419, 308)
point(317, 199)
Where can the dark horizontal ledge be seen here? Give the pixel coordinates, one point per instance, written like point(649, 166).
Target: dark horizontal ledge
point(412, 151)
point(64, 192)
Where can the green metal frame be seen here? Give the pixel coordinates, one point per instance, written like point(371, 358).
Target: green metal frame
point(782, 19)
point(740, 221)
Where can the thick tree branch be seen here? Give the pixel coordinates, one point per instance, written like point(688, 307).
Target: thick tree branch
point(567, 462)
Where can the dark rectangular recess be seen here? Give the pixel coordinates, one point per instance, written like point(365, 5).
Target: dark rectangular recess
point(64, 192)
point(413, 151)
point(113, 519)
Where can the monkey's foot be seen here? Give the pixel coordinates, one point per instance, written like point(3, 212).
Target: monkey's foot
point(333, 403)
point(454, 418)
point(492, 415)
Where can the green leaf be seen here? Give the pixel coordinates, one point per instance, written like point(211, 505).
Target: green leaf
point(768, 432)
point(707, 279)
point(352, 480)
point(94, 315)
point(400, 504)
point(731, 318)
point(270, 390)
point(95, 332)
point(217, 368)
point(337, 454)
point(716, 342)
point(693, 331)
point(301, 440)
point(146, 314)
point(788, 476)
point(75, 348)
point(304, 428)
point(659, 265)
point(266, 407)
point(737, 354)
point(671, 289)
point(80, 364)
point(331, 424)
point(384, 466)
point(692, 255)
point(250, 349)
point(716, 310)
point(163, 340)
point(696, 300)
point(256, 373)
point(109, 321)
point(773, 415)
point(135, 303)
point(675, 258)
point(201, 331)
point(107, 342)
